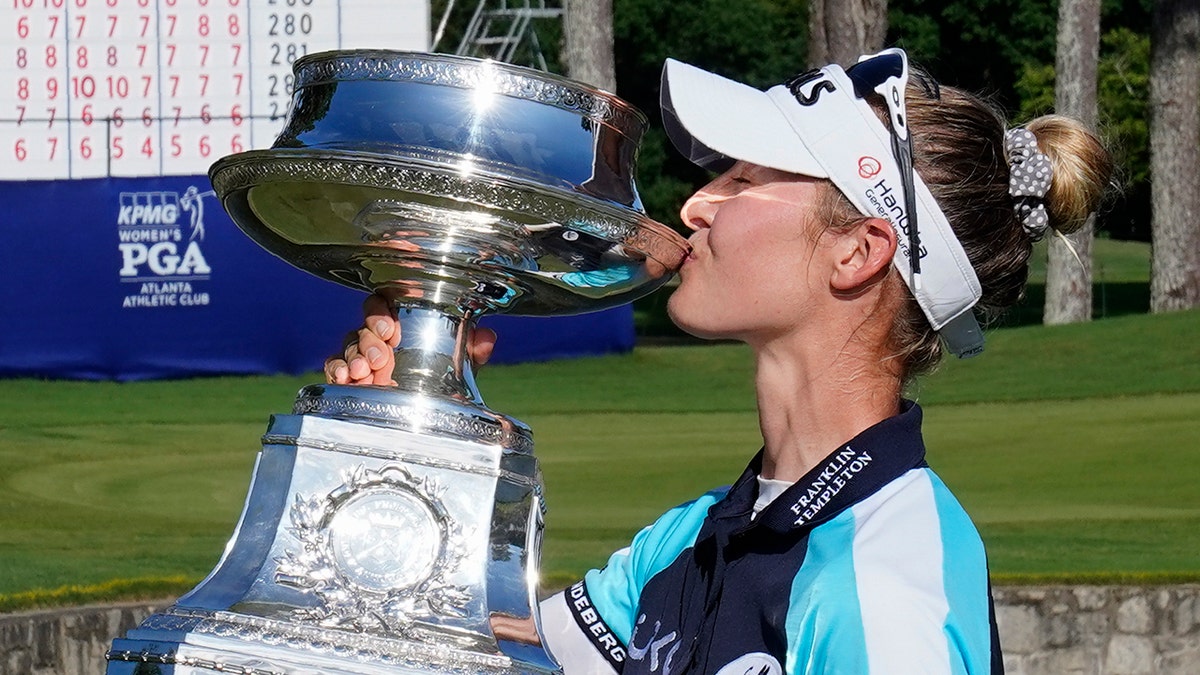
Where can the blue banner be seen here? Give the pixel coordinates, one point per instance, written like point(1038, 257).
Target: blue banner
point(140, 278)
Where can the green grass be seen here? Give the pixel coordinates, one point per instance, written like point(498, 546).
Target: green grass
point(118, 590)
point(1113, 261)
point(1073, 447)
point(1120, 282)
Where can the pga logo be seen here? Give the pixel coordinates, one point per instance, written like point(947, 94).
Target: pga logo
point(163, 259)
point(151, 235)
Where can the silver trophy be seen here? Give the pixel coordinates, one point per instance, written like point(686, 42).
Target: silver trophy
point(385, 527)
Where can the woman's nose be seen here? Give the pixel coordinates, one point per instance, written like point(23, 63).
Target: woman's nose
point(697, 212)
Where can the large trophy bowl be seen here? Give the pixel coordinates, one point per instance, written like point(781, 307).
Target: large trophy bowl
point(386, 527)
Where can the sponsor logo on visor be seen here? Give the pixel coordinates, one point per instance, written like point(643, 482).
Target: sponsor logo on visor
point(868, 167)
point(796, 84)
point(890, 206)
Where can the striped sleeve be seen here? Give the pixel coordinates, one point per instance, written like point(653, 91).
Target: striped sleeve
point(615, 589)
point(572, 646)
point(581, 625)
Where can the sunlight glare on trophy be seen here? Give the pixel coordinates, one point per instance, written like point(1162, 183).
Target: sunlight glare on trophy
point(466, 166)
point(483, 97)
point(484, 93)
point(429, 334)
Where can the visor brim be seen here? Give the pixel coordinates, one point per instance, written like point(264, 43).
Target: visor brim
point(715, 121)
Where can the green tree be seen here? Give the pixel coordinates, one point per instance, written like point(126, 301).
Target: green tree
point(1005, 48)
point(588, 42)
point(839, 31)
point(1175, 155)
point(979, 45)
point(1076, 62)
point(984, 45)
point(760, 42)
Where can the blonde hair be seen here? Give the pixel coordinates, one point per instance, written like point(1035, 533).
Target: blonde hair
point(1082, 170)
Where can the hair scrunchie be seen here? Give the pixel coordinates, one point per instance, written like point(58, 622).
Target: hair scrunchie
point(1029, 180)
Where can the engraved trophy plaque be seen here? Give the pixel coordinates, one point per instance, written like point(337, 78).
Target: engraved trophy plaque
point(386, 526)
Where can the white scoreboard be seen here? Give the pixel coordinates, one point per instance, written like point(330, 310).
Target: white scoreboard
point(127, 88)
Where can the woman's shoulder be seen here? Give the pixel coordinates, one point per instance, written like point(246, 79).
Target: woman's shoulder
point(683, 520)
point(914, 529)
point(653, 548)
point(916, 498)
point(909, 528)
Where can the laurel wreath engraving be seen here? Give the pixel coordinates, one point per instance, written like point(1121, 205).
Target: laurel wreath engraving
point(346, 604)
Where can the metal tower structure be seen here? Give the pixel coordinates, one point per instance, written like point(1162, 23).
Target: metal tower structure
point(505, 30)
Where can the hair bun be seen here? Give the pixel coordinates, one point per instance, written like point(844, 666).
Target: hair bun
point(1081, 169)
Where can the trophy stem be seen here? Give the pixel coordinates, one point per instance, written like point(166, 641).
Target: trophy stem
point(432, 358)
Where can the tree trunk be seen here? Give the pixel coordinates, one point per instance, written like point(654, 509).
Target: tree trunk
point(1069, 281)
point(589, 43)
point(1175, 155)
point(839, 31)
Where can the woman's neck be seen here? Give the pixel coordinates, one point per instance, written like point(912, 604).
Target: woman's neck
point(812, 399)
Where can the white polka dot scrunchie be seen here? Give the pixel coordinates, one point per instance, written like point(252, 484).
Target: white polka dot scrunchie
point(1029, 180)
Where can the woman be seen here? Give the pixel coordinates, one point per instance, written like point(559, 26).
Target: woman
point(838, 550)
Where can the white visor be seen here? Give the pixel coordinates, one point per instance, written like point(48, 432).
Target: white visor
point(825, 130)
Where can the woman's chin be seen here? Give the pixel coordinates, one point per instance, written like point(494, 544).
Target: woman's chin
point(694, 325)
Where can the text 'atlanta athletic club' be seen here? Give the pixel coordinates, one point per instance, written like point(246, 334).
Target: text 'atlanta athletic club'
point(160, 240)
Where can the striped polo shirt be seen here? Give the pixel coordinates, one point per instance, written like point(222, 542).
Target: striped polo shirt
point(867, 564)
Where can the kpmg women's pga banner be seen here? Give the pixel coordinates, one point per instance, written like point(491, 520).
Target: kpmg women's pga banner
point(137, 278)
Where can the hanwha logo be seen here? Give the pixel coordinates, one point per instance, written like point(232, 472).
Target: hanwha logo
point(869, 167)
point(755, 663)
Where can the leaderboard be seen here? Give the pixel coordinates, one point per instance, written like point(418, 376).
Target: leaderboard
point(130, 88)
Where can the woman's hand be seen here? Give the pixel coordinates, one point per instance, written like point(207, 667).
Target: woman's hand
point(514, 629)
point(368, 355)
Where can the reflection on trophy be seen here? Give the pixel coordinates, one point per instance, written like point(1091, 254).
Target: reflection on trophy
point(386, 526)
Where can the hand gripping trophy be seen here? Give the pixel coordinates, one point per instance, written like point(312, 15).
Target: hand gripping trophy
point(386, 526)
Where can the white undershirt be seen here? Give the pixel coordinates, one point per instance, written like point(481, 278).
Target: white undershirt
point(768, 490)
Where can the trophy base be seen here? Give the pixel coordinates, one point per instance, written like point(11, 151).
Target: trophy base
point(381, 533)
point(197, 656)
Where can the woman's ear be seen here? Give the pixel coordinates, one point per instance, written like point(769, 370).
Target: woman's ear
point(863, 254)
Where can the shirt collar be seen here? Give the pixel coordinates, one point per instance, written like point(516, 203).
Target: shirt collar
point(846, 476)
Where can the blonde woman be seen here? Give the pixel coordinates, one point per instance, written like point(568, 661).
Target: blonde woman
point(860, 224)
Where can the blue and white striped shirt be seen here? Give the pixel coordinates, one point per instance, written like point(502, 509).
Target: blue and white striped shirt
point(866, 565)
